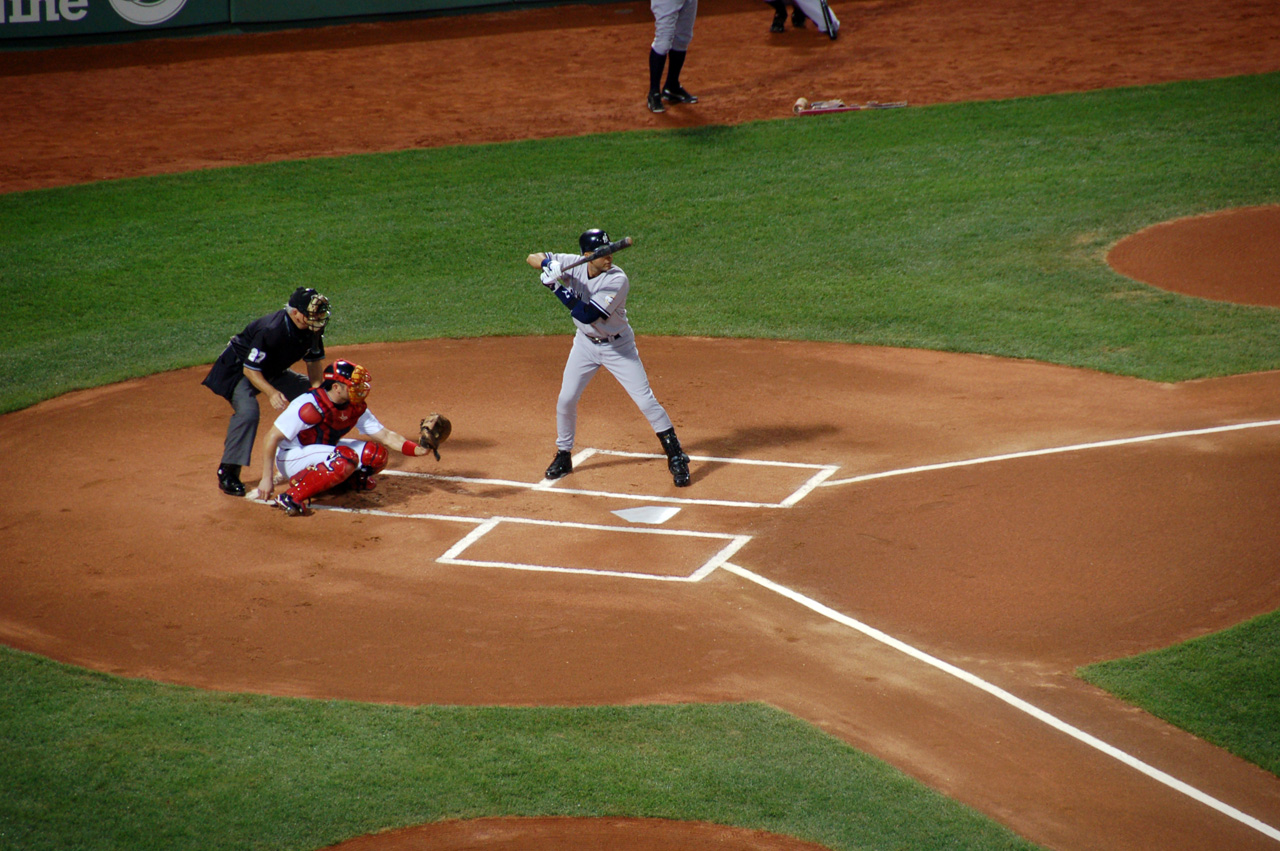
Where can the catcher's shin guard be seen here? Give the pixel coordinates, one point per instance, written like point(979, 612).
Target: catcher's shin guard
point(373, 460)
point(333, 471)
point(677, 461)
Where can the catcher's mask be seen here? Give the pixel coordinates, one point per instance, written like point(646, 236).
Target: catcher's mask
point(592, 239)
point(312, 305)
point(351, 374)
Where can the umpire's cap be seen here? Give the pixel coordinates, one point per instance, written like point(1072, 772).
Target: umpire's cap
point(311, 305)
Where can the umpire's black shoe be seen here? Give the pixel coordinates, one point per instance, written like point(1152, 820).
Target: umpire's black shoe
point(561, 465)
point(677, 94)
point(654, 102)
point(229, 479)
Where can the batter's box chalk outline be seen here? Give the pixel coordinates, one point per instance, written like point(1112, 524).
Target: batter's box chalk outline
point(733, 543)
point(823, 472)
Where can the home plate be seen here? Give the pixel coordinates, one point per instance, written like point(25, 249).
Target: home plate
point(648, 514)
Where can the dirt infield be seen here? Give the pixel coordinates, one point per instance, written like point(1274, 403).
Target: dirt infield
point(1015, 571)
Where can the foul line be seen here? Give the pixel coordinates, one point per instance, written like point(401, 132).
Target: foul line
point(1078, 447)
point(1011, 699)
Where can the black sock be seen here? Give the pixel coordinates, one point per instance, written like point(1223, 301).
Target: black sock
point(656, 61)
point(673, 69)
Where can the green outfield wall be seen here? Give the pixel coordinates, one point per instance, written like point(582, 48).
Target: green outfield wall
point(74, 19)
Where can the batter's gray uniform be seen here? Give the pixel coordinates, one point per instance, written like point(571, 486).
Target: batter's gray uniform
point(596, 294)
point(608, 342)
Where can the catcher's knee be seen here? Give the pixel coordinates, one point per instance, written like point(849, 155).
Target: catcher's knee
point(329, 473)
point(373, 456)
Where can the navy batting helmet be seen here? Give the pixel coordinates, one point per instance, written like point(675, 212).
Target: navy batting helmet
point(593, 239)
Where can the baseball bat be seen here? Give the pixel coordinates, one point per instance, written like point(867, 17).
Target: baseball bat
point(602, 251)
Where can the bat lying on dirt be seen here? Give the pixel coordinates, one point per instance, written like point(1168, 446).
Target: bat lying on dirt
point(821, 107)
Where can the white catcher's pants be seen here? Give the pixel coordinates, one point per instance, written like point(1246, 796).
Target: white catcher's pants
point(622, 359)
point(293, 461)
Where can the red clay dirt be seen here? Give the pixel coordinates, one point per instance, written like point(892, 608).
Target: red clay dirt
point(1016, 571)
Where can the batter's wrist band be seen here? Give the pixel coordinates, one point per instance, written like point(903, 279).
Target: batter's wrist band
point(410, 448)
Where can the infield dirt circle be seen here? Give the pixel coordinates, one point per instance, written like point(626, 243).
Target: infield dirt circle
point(1015, 570)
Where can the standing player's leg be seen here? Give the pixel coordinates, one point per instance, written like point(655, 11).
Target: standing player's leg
point(580, 367)
point(623, 362)
point(665, 13)
point(673, 92)
point(237, 450)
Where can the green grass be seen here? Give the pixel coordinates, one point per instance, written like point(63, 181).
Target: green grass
point(1224, 688)
point(974, 227)
point(971, 227)
point(95, 761)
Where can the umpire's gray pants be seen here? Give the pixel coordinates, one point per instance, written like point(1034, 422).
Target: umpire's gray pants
point(243, 429)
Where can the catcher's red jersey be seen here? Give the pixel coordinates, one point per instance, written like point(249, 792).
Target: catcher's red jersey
point(326, 422)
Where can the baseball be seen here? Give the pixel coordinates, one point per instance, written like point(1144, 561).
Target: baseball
point(801, 105)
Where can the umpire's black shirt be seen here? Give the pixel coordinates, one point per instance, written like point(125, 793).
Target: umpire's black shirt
point(271, 345)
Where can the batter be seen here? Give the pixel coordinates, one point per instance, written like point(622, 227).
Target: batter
point(596, 295)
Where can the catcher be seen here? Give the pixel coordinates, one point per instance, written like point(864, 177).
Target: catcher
point(307, 445)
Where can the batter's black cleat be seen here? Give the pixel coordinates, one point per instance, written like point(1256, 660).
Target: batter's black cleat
point(229, 480)
point(677, 461)
point(291, 506)
point(679, 467)
point(655, 102)
point(677, 94)
point(797, 18)
point(561, 465)
point(779, 22)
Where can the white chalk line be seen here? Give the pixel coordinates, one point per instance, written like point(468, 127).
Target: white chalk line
point(484, 526)
point(822, 479)
point(1055, 450)
point(1011, 699)
point(824, 471)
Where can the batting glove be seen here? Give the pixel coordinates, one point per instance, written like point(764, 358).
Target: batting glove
point(550, 273)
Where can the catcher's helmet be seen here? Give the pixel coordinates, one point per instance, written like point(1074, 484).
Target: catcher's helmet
point(351, 374)
point(592, 239)
point(312, 305)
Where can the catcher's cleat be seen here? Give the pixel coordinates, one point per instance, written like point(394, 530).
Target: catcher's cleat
point(291, 506)
point(229, 480)
point(678, 94)
point(779, 22)
point(561, 465)
point(655, 102)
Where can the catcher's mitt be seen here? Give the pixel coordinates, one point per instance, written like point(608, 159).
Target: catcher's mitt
point(433, 431)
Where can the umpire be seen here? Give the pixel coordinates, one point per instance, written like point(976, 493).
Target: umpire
point(257, 360)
